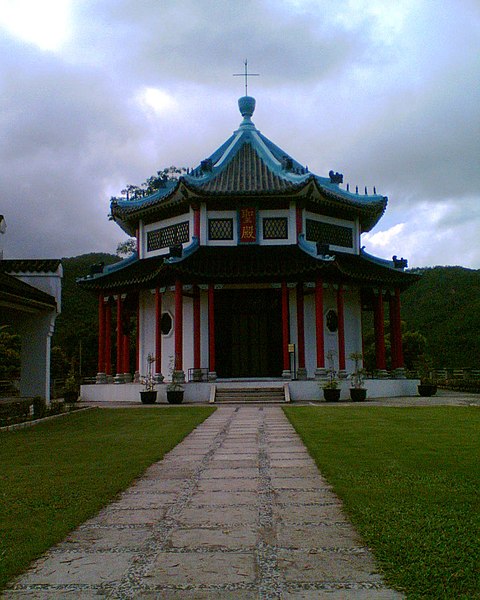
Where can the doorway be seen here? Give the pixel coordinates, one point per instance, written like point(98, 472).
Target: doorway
point(248, 333)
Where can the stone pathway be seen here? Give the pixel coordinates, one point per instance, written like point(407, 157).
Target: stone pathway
point(238, 510)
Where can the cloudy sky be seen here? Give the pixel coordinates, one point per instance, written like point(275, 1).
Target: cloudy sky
point(95, 94)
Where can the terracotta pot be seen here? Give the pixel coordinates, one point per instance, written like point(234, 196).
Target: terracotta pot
point(69, 397)
point(427, 389)
point(148, 396)
point(358, 394)
point(175, 397)
point(331, 394)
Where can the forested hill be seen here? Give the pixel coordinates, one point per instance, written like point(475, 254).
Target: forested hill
point(76, 328)
point(445, 307)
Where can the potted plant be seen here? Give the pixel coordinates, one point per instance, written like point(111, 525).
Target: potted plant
point(71, 389)
point(149, 394)
point(175, 390)
point(358, 392)
point(427, 386)
point(331, 391)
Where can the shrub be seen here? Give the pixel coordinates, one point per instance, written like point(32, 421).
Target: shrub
point(39, 407)
point(15, 411)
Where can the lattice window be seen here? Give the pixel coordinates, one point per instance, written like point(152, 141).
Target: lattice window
point(327, 233)
point(168, 236)
point(220, 229)
point(275, 228)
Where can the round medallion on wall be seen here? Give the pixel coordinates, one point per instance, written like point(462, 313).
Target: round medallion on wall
point(166, 323)
point(332, 321)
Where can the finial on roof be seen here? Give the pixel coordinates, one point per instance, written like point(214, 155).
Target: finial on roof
point(246, 104)
point(246, 74)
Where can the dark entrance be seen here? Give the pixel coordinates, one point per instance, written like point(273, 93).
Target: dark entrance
point(248, 333)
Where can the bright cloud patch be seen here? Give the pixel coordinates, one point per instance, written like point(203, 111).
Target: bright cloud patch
point(45, 24)
point(384, 239)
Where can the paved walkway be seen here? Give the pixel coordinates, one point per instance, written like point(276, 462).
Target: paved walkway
point(238, 510)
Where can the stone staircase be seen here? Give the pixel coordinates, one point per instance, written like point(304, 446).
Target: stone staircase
point(250, 395)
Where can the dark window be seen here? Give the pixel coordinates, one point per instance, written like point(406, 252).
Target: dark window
point(220, 229)
point(166, 323)
point(168, 236)
point(332, 321)
point(327, 233)
point(275, 228)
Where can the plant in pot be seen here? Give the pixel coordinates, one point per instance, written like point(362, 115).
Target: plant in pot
point(331, 390)
point(427, 386)
point(358, 392)
point(71, 389)
point(149, 394)
point(175, 389)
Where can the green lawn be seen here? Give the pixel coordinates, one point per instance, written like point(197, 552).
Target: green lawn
point(56, 475)
point(409, 480)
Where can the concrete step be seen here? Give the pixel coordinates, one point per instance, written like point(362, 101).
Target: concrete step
point(250, 395)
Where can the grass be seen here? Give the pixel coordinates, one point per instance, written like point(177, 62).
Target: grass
point(57, 474)
point(409, 480)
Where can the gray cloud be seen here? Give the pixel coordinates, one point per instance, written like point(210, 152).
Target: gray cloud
point(392, 103)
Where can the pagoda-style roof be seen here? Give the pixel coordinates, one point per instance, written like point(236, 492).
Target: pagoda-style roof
point(249, 165)
point(20, 295)
point(29, 265)
point(249, 264)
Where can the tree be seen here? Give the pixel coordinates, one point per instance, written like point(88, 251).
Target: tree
point(9, 353)
point(151, 184)
point(127, 248)
point(414, 347)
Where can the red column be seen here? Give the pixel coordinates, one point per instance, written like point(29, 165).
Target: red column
point(101, 334)
point(158, 331)
point(341, 327)
point(196, 328)
point(285, 327)
point(126, 354)
point(398, 329)
point(393, 331)
point(299, 220)
point(196, 223)
point(319, 324)
point(119, 336)
point(178, 325)
point(379, 333)
point(137, 340)
point(108, 338)
point(300, 326)
point(211, 328)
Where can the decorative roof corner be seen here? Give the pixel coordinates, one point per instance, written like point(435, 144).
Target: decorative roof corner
point(316, 250)
point(185, 252)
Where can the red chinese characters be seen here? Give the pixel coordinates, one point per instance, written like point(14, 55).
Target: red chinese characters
point(248, 225)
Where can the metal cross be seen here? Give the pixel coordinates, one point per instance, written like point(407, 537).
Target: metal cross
point(246, 74)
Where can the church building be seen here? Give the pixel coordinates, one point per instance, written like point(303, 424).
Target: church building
point(248, 268)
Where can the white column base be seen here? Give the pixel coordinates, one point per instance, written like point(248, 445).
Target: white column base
point(286, 374)
point(399, 373)
point(118, 378)
point(197, 375)
point(302, 374)
point(159, 378)
point(381, 374)
point(127, 378)
point(321, 373)
point(178, 376)
point(212, 376)
point(101, 378)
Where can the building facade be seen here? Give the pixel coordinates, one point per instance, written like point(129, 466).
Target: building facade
point(30, 301)
point(247, 267)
